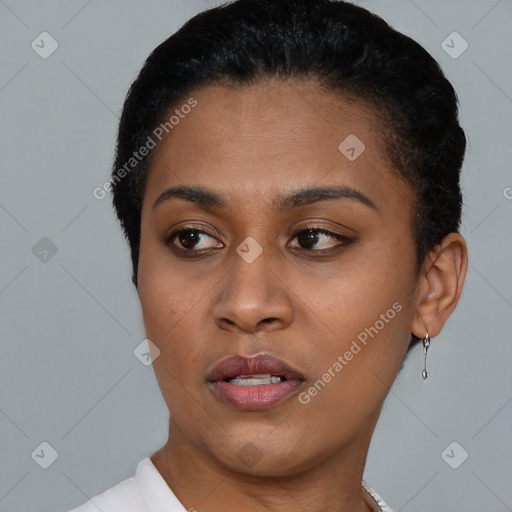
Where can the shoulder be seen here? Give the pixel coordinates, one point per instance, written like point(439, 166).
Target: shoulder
point(122, 497)
point(147, 491)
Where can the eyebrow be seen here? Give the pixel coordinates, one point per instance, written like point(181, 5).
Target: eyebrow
point(301, 197)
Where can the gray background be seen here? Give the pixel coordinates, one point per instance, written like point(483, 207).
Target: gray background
point(70, 324)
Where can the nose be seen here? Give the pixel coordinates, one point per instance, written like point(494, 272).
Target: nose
point(254, 297)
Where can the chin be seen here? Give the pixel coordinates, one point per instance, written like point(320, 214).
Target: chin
point(260, 458)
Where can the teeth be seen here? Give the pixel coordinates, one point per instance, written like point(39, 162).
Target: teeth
point(256, 380)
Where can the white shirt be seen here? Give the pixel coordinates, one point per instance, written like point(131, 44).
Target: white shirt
point(147, 491)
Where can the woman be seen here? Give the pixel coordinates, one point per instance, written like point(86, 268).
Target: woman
point(287, 176)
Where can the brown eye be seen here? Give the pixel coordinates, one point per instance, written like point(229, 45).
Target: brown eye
point(316, 239)
point(192, 239)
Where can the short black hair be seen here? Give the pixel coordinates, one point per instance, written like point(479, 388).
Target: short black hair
point(345, 49)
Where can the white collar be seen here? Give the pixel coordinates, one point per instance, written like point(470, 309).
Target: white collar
point(378, 502)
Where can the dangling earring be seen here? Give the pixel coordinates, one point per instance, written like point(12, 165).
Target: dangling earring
point(426, 344)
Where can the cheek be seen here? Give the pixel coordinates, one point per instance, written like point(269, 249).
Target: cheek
point(365, 314)
point(171, 299)
point(170, 316)
point(355, 296)
point(166, 294)
point(160, 304)
point(166, 309)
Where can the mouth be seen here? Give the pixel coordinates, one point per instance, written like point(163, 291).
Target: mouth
point(256, 380)
point(254, 383)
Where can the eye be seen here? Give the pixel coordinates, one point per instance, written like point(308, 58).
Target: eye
point(189, 239)
point(318, 240)
point(311, 239)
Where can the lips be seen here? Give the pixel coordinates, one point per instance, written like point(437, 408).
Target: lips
point(254, 383)
point(261, 364)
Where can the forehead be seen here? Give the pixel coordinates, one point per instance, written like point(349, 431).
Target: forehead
point(273, 136)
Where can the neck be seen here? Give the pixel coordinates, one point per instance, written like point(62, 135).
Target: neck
point(201, 482)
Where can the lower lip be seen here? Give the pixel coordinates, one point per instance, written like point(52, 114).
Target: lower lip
point(255, 398)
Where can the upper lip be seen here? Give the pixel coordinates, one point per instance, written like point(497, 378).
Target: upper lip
point(237, 365)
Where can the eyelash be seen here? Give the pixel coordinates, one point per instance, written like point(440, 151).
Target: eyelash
point(344, 241)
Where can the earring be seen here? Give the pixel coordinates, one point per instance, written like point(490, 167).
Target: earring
point(426, 344)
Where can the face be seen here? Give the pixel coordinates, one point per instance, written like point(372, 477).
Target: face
point(281, 295)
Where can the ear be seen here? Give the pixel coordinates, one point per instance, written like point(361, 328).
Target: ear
point(440, 285)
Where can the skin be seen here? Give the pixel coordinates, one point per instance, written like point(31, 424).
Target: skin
point(251, 145)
